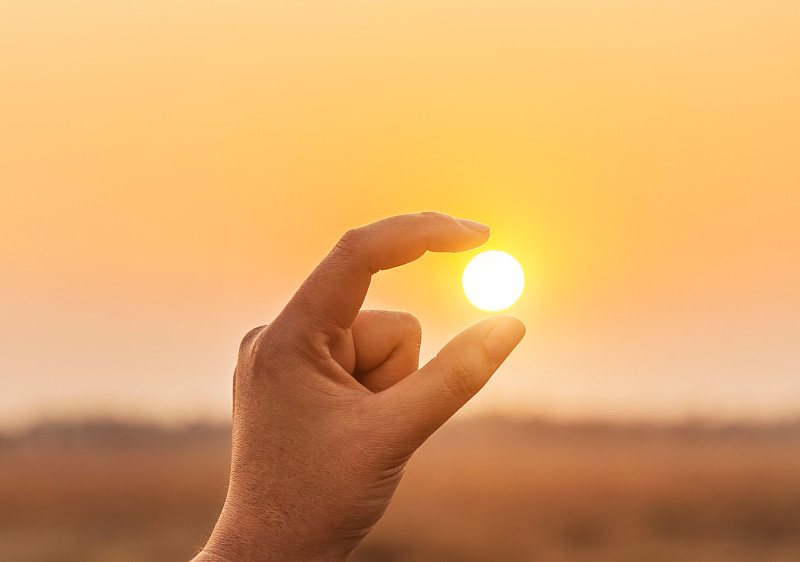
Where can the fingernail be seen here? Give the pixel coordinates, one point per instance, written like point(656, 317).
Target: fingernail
point(504, 336)
point(474, 225)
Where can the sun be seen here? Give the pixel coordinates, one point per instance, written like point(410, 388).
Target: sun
point(493, 280)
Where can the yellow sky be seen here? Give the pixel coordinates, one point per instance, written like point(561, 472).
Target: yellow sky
point(171, 171)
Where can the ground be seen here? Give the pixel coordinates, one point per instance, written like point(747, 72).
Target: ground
point(480, 490)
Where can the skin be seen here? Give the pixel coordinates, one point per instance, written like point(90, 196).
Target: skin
point(329, 402)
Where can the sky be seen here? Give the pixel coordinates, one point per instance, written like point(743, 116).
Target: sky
point(170, 171)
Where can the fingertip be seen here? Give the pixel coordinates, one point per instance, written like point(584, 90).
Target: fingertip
point(503, 337)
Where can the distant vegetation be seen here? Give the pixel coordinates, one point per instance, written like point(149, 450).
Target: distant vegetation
point(480, 490)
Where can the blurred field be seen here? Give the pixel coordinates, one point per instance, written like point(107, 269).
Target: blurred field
point(488, 490)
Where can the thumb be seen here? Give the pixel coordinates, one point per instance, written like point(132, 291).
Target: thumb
point(424, 400)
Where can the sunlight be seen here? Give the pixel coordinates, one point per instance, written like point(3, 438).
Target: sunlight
point(493, 280)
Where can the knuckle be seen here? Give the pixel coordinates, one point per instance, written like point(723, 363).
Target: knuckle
point(260, 348)
point(256, 350)
point(350, 241)
point(235, 385)
point(247, 341)
point(411, 324)
point(434, 215)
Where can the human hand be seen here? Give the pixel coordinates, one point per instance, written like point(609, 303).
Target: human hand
point(329, 403)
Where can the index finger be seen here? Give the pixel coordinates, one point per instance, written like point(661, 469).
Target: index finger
point(334, 292)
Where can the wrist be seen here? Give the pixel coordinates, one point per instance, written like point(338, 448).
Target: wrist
point(206, 556)
point(253, 553)
point(235, 540)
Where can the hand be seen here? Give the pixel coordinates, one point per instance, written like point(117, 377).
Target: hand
point(329, 403)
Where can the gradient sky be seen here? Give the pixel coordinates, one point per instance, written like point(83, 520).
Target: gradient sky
point(170, 171)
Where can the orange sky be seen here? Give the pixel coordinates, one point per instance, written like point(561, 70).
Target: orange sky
point(171, 171)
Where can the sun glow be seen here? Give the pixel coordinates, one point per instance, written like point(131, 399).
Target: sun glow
point(493, 280)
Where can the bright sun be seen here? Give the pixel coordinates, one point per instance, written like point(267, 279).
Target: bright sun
point(493, 280)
